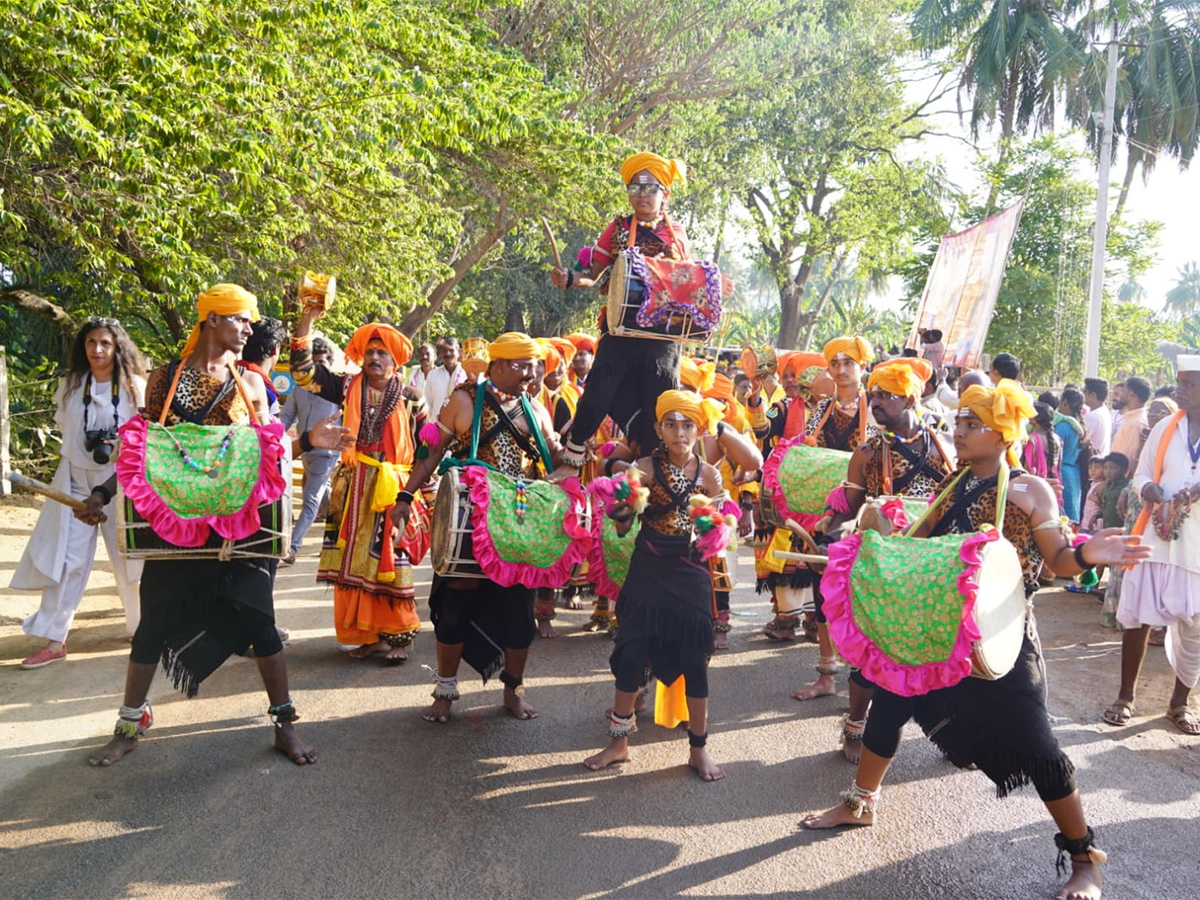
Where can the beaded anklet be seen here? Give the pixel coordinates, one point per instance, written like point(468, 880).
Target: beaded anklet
point(827, 665)
point(852, 730)
point(283, 714)
point(859, 800)
point(621, 726)
point(446, 688)
point(132, 721)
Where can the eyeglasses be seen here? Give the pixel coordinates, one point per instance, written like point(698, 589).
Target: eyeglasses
point(877, 394)
point(644, 188)
point(105, 321)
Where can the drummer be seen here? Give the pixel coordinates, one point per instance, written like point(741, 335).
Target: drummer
point(841, 422)
point(628, 373)
point(489, 626)
point(999, 726)
point(905, 459)
point(196, 613)
point(785, 418)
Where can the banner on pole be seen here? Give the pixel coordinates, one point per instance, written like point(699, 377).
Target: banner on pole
point(964, 281)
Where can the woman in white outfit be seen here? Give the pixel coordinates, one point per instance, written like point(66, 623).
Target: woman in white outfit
point(104, 386)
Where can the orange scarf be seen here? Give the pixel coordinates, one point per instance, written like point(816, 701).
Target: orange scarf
point(398, 444)
point(1143, 518)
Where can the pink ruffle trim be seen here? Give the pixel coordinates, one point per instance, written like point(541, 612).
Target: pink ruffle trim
point(894, 510)
point(507, 574)
point(167, 524)
point(601, 491)
point(859, 650)
point(770, 480)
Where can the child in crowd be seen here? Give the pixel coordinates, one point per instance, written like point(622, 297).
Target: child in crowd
point(1091, 506)
point(1116, 472)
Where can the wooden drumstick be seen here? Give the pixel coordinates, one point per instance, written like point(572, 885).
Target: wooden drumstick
point(553, 243)
point(798, 530)
point(812, 559)
point(40, 487)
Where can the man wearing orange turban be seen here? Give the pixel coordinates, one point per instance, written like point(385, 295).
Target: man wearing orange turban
point(374, 604)
point(628, 372)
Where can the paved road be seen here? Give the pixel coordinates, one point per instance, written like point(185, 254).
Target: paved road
point(492, 807)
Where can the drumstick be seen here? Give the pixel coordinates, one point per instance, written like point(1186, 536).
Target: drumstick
point(795, 528)
point(813, 559)
point(553, 243)
point(40, 487)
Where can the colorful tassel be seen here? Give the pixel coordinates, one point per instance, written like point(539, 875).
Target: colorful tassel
point(429, 434)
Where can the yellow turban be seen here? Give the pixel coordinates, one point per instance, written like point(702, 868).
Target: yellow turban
point(224, 300)
point(1004, 408)
point(897, 377)
point(665, 170)
point(697, 374)
point(854, 347)
point(397, 345)
point(705, 413)
point(514, 345)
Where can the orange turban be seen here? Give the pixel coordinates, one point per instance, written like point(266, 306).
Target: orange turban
point(705, 413)
point(697, 374)
point(582, 342)
point(799, 362)
point(897, 377)
point(397, 345)
point(224, 300)
point(549, 353)
point(1004, 408)
point(514, 345)
point(566, 350)
point(721, 389)
point(853, 346)
point(665, 170)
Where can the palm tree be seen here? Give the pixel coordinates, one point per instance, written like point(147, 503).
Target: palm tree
point(1183, 300)
point(1158, 80)
point(1016, 58)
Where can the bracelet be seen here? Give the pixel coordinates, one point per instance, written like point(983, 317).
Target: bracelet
point(301, 343)
point(747, 505)
point(405, 497)
point(570, 279)
point(104, 493)
point(305, 444)
point(1080, 561)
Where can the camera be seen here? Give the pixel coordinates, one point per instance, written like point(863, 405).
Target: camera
point(100, 443)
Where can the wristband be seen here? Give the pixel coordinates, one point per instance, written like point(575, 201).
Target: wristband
point(570, 278)
point(301, 343)
point(405, 497)
point(1080, 561)
point(104, 493)
point(748, 505)
point(720, 429)
point(305, 444)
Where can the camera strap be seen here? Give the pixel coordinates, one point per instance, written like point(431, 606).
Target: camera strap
point(116, 399)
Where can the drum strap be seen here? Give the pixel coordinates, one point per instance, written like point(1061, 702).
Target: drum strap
point(918, 462)
point(957, 518)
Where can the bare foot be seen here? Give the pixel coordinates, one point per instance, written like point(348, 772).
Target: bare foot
point(396, 655)
point(780, 634)
point(595, 625)
point(438, 711)
point(366, 651)
point(562, 473)
point(616, 752)
point(705, 767)
point(822, 687)
point(1084, 884)
point(851, 749)
point(289, 744)
point(517, 706)
point(546, 630)
point(720, 640)
point(836, 817)
point(113, 751)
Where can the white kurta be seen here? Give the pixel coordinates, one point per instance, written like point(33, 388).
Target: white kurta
point(58, 558)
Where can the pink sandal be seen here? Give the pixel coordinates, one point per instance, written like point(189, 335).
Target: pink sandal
point(44, 657)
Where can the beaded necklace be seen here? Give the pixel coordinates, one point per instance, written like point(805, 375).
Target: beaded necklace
point(916, 436)
point(212, 470)
point(504, 396)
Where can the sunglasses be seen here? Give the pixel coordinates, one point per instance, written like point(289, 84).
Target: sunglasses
point(105, 321)
point(651, 188)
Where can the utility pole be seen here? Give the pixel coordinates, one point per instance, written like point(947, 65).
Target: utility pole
point(1091, 352)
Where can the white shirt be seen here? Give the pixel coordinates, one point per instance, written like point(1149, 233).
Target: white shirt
point(438, 385)
point(1099, 429)
point(417, 379)
point(1177, 475)
point(69, 415)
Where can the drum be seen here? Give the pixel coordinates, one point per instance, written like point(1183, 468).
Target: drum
point(610, 554)
point(665, 299)
point(137, 540)
point(759, 363)
point(510, 531)
point(797, 481)
point(919, 614)
point(451, 553)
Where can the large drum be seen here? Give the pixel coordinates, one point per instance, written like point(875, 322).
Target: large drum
point(137, 540)
point(797, 481)
point(665, 299)
point(919, 614)
point(510, 531)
